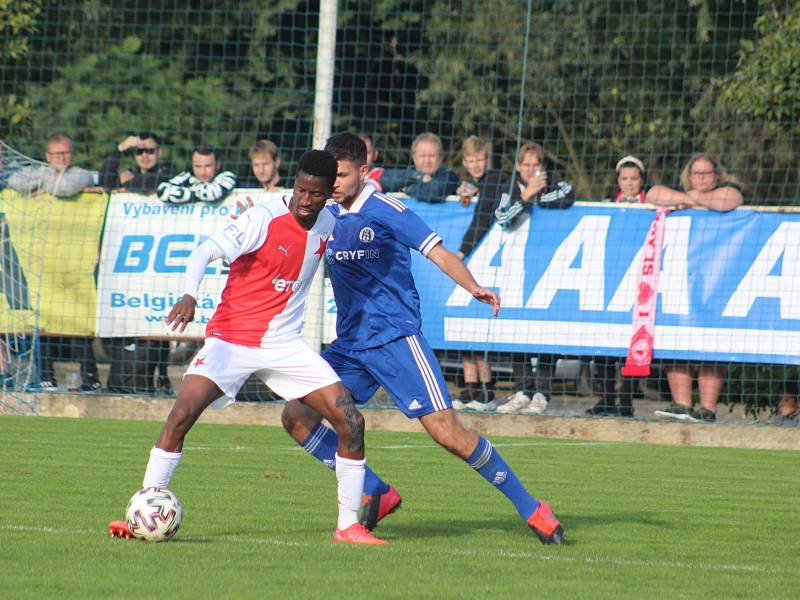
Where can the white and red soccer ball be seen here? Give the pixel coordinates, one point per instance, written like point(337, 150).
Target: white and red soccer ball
point(154, 514)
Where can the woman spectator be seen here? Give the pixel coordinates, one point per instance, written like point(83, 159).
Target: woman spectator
point(485, 185)
point(706, 184)
point(534, 184)
point(630, 178)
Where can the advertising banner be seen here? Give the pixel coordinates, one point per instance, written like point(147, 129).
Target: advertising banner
point(729, 287)
point(49, 255)
point(145, 246)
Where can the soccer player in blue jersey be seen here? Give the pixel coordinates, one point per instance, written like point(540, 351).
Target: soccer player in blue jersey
point(380, 342)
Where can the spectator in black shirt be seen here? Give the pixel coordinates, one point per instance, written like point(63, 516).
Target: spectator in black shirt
point(149, 171)
point(486, 186)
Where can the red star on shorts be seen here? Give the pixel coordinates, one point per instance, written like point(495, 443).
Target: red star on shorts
point(199, 361)
point(322, 244)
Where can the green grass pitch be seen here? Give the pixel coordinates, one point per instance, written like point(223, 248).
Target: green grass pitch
point(642, 521)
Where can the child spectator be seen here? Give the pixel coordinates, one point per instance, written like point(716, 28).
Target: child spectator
point(630, 181)
point(484, 185)
point(629, 178)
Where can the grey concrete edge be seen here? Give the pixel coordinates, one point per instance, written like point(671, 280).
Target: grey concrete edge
point(647, 431)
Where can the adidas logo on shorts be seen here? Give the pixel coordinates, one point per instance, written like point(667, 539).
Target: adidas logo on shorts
point(414, 405)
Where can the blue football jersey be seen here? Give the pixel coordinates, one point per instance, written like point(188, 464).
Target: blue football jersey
point(370, 269)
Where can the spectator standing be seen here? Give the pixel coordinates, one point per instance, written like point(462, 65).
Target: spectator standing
point(533, 184)
point(705, 184)
point(150, 170)
point(373, 173)
point(134, 360)
point(58, 177)
point(485, 186)
point(427, 180)
point(630, 181)
point(630, 186)
point(787, 412)
point(265, 162)
point(205, 182)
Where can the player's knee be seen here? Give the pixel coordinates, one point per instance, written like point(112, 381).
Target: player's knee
point(180, 419)
point(290, 415)
point(450, 434)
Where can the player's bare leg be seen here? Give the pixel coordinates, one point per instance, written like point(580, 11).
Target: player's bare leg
point(196, 394)
point(335, 404)
point(299, 420)
point(446, 429)
point(305, 426)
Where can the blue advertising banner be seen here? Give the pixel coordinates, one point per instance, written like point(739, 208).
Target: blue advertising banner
point(729, 288)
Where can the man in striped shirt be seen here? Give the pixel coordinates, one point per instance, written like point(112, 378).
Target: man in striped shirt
point(205, 182)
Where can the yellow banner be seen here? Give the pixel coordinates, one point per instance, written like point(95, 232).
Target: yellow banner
point(48, 254)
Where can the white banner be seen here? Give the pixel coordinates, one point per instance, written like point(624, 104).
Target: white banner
point(146, 243)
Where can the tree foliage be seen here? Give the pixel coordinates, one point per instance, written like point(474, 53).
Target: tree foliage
point(590, 80)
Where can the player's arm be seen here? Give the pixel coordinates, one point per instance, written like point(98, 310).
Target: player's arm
point(455, 268)
point(183, 312)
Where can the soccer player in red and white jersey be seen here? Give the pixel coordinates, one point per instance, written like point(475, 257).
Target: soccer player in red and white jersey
point(274, 251)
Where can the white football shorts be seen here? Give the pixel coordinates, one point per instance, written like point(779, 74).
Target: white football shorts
point(290, 368)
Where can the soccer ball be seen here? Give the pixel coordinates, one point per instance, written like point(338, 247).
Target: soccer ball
point(154, 514)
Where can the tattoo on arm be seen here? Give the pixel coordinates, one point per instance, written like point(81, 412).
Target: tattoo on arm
point(352, 422)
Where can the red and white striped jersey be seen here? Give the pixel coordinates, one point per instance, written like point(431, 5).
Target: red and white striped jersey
point(273, 260)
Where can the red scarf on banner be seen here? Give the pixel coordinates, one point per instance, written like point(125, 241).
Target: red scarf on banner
point(640, 349)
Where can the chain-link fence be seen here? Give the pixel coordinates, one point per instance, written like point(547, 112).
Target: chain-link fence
point(136, 87)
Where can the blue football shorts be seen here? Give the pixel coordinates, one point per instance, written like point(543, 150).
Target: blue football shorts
point(406, 367)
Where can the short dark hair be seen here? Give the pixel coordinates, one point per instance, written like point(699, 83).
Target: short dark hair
point(149, 135)
point(319, 163)
point(347, 146)
point(205, 150)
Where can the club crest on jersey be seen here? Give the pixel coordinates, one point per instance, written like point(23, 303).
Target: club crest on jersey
point(366, 235)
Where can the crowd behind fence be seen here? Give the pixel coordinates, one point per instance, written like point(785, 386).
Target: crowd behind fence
point(192, 107)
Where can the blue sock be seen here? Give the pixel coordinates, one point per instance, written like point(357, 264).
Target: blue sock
point(488, 462)
point(322, 443)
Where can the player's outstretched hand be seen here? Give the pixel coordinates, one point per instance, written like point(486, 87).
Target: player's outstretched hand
point(182, 313)
point(488, 297)
point(242, 207)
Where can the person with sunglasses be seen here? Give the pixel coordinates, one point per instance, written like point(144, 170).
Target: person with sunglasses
point(150, 170)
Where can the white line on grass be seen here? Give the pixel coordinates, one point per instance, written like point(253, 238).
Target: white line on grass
point(416, 551)
point(532, 443)
point(238, 448)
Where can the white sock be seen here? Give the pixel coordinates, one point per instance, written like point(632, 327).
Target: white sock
point(350, 475)
point(160, 467)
